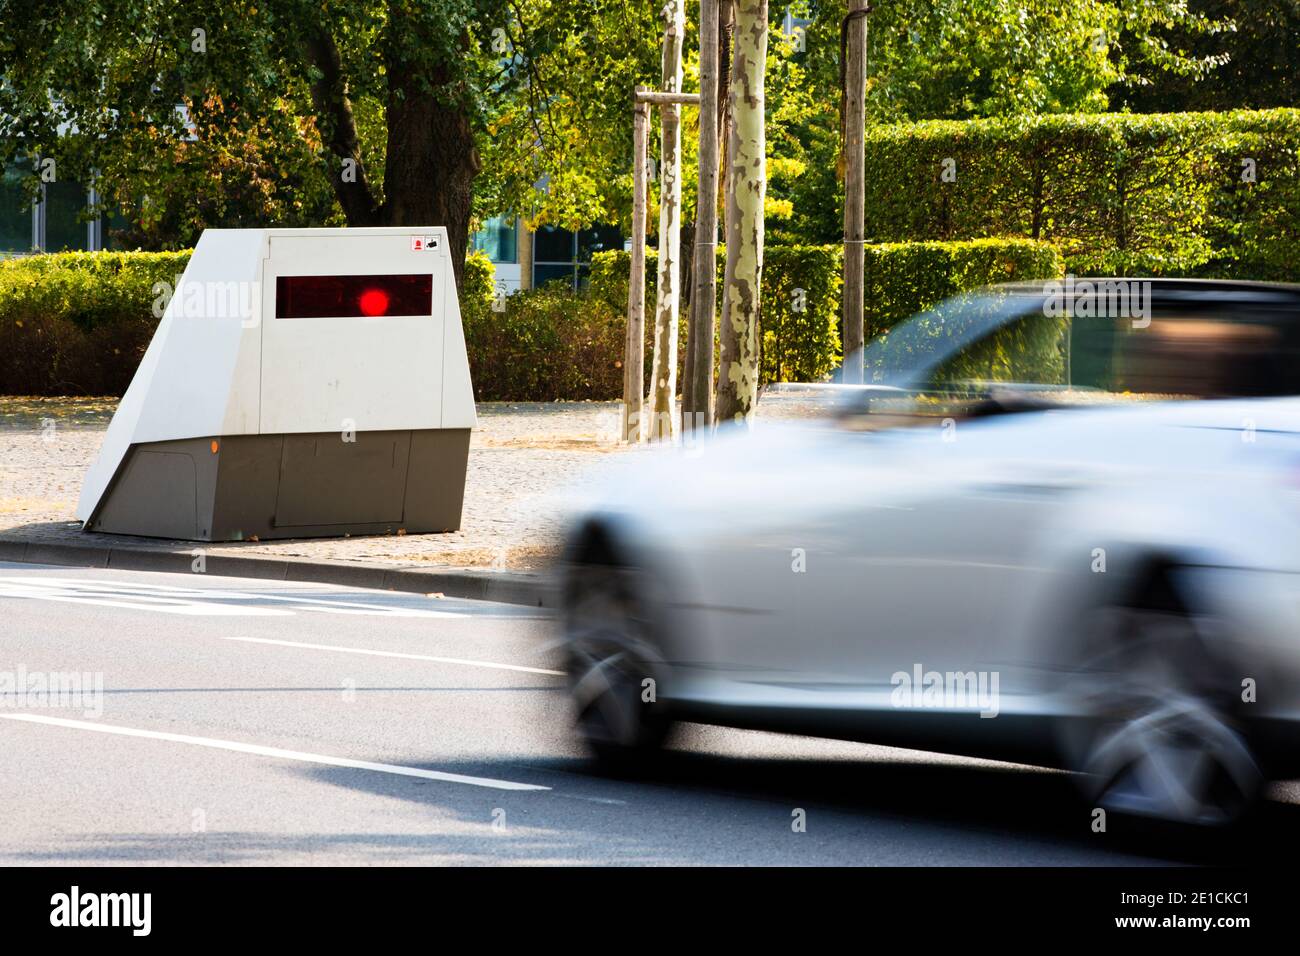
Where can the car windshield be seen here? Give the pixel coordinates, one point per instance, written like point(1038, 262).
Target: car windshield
point(1183, 344)
point(900, 356)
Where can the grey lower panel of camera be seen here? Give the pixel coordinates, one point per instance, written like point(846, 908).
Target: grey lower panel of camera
point(289, 486)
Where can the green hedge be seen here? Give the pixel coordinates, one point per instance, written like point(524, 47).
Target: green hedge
point(549, 343)
point(1159, 194)
point(545, 344)
point(908, 277)
point(78, 323)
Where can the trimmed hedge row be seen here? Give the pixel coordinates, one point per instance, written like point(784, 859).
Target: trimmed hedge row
point(1199, 194)
point(78, 323)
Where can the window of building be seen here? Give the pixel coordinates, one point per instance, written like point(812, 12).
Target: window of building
point(65, 207)
point(499, 239)
point(560, 254)
point(593, 240)
point(56, 222)
point(15, 212)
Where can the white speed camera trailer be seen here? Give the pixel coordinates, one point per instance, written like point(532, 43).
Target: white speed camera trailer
point(301, 383)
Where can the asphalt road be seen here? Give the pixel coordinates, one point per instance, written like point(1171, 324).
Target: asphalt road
point(252, 722)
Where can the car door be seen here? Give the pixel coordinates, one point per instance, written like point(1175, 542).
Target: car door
point(891, 552)
point(897, 558)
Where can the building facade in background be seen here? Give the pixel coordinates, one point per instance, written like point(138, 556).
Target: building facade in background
point(61, 220)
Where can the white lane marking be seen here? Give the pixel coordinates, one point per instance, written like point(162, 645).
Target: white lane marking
point(169, 599)
point(492, 665)
point(277, 752)
point(138, 602)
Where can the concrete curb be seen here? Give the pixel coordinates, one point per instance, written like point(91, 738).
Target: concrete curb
point(504, 586)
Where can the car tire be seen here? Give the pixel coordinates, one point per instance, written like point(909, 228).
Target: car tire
point(613, 664)
point(1156, 735)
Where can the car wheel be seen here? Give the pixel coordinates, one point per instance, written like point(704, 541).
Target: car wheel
point(613, 666)
point(1159, 739)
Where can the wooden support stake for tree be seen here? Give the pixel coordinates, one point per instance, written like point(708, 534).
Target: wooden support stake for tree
point(634, 352)
point(660, 99)
point(697, 406)
point(855, 88)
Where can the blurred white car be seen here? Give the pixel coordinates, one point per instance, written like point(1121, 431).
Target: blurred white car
point(1054, 538)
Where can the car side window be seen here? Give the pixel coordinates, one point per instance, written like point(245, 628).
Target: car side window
point(1206, 352)
point(1181, 351)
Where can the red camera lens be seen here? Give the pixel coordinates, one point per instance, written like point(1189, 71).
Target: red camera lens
point(353, 297)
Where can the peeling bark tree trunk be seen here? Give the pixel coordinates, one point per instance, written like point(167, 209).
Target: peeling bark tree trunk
point(698, 389)
point(726, 36)
point(746, 190)
point(663, 377)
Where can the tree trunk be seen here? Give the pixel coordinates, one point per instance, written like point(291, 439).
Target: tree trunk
point(432, 164)
point(663, 378)
point(726, 38)
point(697, 406)
point(855, 87)
point(634, 347)
point(688, 305)
point(746, 190)
point(726, 33)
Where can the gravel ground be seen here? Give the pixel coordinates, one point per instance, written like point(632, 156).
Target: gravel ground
point(520, 455)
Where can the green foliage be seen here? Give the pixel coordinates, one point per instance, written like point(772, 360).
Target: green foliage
point(609, 275)
point(1159, 194)
point(98, 86)
point(546, 344)
point(77, 323)
point(542, 87)
point(549, 343)
point(477, 289)
point(1255, 227)
point(278, 95)
point(1257, 54)
point(1029, 350)
point(562, 114)
point(607, 291)
point(954, 59)
point(957, 59)
point(901, 280)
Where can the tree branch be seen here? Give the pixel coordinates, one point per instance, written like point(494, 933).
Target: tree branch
point(338, 127)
